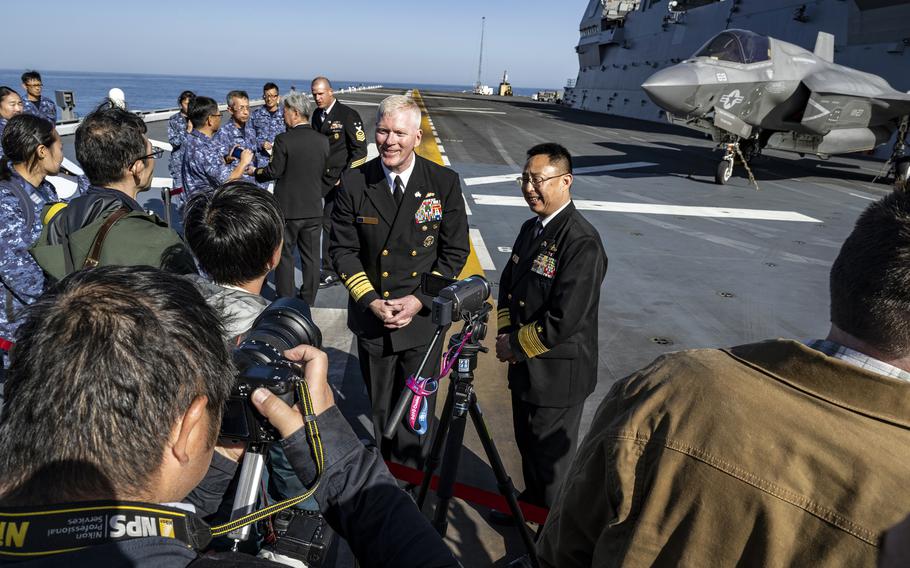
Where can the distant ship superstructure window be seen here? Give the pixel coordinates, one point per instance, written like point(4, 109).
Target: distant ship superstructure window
point(737, 46)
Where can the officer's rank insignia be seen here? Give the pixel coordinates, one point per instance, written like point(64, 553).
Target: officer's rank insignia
point(417, 194)
point(552, 248)
point(360, 136)
point(427, 242)
point(545, 265)
point(429, 210)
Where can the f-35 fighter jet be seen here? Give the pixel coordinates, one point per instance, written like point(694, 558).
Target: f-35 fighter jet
point(751, 92)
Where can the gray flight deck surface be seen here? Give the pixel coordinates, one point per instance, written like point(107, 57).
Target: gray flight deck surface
point(676, 279)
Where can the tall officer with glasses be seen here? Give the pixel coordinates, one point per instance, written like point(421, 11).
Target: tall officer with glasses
point(549, 295)
point(268, 122)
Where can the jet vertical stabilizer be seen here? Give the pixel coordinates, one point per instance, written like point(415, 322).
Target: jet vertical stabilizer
point(824, 46)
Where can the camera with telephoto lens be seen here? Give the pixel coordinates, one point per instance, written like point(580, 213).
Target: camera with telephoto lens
point(455, 299)
point(283, 325)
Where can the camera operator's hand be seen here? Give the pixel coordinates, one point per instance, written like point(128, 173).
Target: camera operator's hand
point(504, 349)
point(404, 310)
point(231, 450)
point(316, 371)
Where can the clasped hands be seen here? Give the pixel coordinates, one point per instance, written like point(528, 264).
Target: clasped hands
point(396, 313)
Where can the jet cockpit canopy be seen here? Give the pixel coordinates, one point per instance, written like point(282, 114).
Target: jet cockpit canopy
point(737, 46)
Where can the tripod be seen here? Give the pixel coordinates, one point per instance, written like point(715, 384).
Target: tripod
point(462, 400)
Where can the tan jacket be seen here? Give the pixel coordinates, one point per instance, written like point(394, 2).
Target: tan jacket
point(770, 454)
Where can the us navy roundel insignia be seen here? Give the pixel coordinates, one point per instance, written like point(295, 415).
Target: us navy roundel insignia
point(429, 241)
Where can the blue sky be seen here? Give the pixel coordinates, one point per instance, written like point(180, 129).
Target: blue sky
point(357, 40)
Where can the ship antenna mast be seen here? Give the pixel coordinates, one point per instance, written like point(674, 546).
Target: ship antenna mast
point(483, 22)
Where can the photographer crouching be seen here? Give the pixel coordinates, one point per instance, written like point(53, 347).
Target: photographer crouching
point(115, 396)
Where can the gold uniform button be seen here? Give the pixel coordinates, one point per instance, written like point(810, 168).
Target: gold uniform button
point(385, 274)
point(413, 274)
point(385, 294)
point(385, 252)
point(509, 296)
point(521, 303)
point(424, 228)
point(413, 253)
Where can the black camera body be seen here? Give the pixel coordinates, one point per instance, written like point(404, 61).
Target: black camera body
point(241, 422)
point(283, 325)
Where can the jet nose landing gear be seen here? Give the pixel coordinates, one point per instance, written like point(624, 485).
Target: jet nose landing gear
point(732, 152)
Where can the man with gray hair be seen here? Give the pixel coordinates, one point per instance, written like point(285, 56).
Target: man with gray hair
point(298, 164)
point(395, 218)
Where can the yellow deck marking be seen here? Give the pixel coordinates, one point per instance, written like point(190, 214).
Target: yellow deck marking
point(429, 149)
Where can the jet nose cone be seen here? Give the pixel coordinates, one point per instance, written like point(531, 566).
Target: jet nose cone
point(673, 89)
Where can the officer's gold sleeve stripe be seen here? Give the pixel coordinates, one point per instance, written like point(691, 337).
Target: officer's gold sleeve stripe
point(355, 279)
point(52, 212)
point(529, 339)
point(502, 318)
point(358, 163)
point(358, 285)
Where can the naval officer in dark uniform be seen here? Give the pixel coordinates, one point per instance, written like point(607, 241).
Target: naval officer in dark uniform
point(347, 149)
point(396, 217)
point(547, 318)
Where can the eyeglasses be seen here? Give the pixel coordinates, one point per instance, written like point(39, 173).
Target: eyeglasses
point(156, 153)
point(535, 181)
point(34, 85)
point(271, 96)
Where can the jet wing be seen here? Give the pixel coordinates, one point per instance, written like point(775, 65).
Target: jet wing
point(850, 100)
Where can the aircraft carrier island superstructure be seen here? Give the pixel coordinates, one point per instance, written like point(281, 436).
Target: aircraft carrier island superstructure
point(622, 43)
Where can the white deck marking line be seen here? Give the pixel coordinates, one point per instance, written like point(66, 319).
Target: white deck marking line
point(648, 208)
point(438, 141)
point(467, 206)
point(483, 255)
point(442, 149)
point(475, 111)
point(578, 171)
point(504, 249)
point(864, 197)
point(445, 161)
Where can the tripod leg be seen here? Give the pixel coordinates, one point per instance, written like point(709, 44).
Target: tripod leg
point(454, 442)
point(503, 481)
point(429, 468)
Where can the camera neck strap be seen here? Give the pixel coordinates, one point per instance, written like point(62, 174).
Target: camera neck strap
point(28, 533)
point(312, 435)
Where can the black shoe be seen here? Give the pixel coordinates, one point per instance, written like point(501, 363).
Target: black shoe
point(500, 518)
point(327, 281)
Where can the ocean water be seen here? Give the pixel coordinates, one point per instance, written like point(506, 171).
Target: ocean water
point(157, 92)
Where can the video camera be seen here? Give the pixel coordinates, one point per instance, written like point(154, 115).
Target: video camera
point(455, 299)
point(283, 325)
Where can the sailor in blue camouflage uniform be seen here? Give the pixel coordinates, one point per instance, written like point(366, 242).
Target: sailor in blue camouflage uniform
point(34, 103)
point(10, 106)
point(204, 167)
point(177, 128)
point(33, 151)
point(268, 122)
point(239, 132)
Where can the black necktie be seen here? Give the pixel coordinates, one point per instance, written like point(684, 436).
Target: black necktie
point(530, 243)
point(399, 190)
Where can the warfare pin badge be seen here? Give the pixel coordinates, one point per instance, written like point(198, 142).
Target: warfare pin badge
point(429, 241)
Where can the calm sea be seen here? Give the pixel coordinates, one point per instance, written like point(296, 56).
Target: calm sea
point(154, 92)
